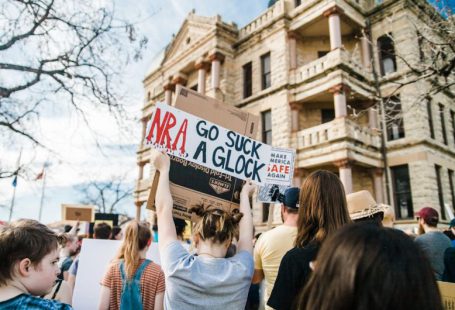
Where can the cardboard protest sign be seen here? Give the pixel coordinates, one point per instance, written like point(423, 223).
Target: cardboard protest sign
point(94, 260)
point(192, 184)
point(186, 136)
point(75, 212)
point(216, 112)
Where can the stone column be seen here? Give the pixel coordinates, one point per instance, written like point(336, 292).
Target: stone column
point(334, 26)
point(295, 110)
point(201, 66)
point(179, 80)
point(144, 129)
point(366, 56)
point(292, 50)
point(345, 171)
point(216, 59)
point(377, 184)
point(372, 118)
point(141, 171)
point(168, 89)
point(138, 210)
point(340, 92)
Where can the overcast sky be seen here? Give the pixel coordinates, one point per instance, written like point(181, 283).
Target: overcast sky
point(77, 158)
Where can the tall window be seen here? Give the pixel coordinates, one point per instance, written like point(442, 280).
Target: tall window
point(452, 190)
point(387, 58)
point(452, 120)
point(266, 71)
point(443, 123)
point(247, 80)
point(267, 127)
point(440, 193)
point(402, 192)
point(430, 118)
point(394, 118)
point(298, 2)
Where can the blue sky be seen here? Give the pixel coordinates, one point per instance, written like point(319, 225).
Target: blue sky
point(77, 159)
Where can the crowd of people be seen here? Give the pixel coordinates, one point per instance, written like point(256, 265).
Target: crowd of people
point(332, 251)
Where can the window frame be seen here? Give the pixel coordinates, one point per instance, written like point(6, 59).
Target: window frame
point(264, 74)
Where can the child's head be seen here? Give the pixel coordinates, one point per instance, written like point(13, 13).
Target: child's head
point(216, 225)
point(29, 255)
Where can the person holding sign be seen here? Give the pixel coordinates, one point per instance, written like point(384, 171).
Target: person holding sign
point(206, 280)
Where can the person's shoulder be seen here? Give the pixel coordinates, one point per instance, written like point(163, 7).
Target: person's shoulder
point(25, 301)
point(153, 267)
point(296, 253)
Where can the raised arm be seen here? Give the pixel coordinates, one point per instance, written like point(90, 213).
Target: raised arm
point(163, 201)
point(246, 223)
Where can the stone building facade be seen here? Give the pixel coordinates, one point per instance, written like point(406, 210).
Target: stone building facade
point(312, 70)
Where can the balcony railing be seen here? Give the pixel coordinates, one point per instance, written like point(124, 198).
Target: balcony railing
point(337, 129)
point(329, 61)
point(276, 10)
point(143, 184)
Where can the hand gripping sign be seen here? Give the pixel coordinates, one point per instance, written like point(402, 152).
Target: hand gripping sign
point(202, 142)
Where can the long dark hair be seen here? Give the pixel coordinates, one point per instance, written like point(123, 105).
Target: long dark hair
point(368, 267)
point(323, 207)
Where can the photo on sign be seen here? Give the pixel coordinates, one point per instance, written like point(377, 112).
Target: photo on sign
point(271, 193)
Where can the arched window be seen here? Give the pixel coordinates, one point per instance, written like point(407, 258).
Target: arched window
point(387, 59)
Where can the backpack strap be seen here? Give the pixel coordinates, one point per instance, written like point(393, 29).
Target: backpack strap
point(140, 270)
point(137, 275)
point(59, 284)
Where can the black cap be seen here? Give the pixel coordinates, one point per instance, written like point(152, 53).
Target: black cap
point(291, 197)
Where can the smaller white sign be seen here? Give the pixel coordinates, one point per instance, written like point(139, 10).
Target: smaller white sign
point(95, 257)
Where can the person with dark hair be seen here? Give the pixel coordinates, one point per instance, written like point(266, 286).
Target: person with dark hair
point(431, 240)
point(205, 280)
point(102, 231)
point(363, 208)
point(28, 268)
point(323, 210)
point(273, 244)
point(180, 226)
point(368, 267)
point(132, 281)
point(116, 233)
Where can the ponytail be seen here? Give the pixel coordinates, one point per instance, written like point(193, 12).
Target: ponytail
point(137, 237)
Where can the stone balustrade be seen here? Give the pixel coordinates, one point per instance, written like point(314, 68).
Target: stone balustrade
point(276, 10)
point(329, 61)
point(341, 128)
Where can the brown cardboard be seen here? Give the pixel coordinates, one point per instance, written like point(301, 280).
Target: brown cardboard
point(193, 184)
point(447, 291)
point(74, 212)
point(216, 112)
